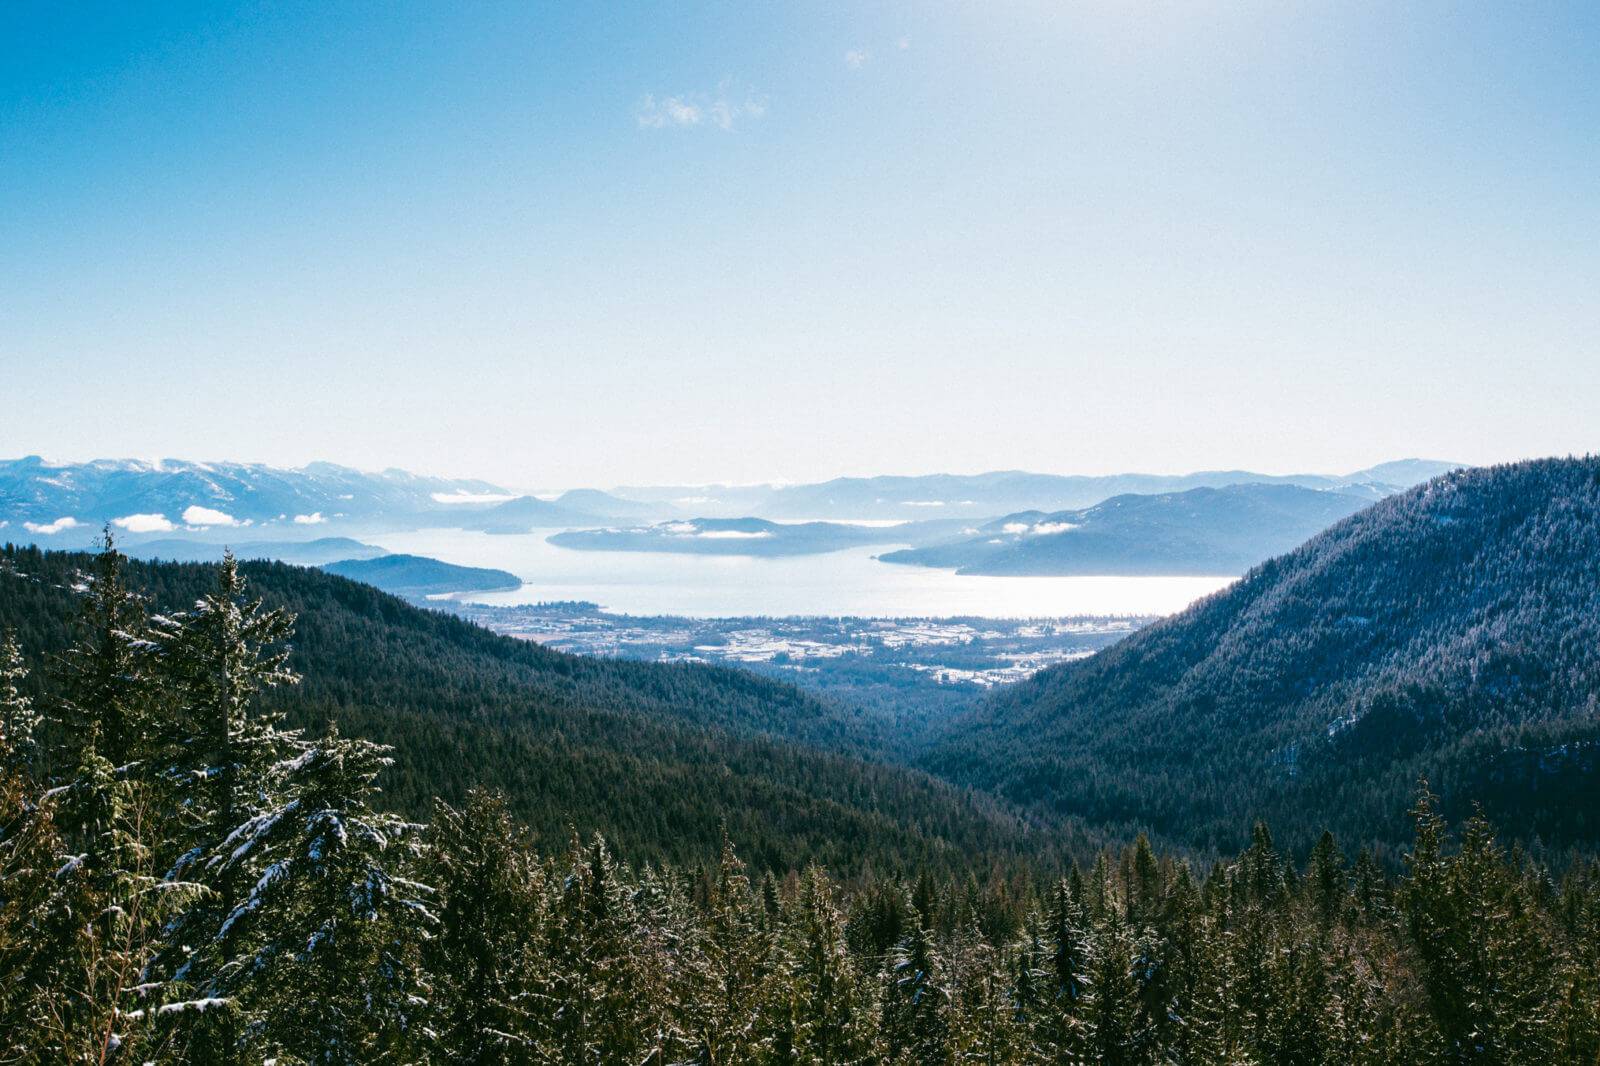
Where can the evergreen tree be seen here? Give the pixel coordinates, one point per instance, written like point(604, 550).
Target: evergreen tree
point(983, 1026)
point(102, 921)
point(219, 657)
point(1118, 1030)
point(481, 955)
point(834, 1009)
point(668, 974)
point(42, 905)
point(914, 1018)
point(225, 772)
point(880, 917)
point(1326, 879)
point(324, 945)
point(1033, 992)
point(19, 721)
point(1069, 931)
point(598, 1010)
point(1144, 882)
point(109, 677)
point(736, 962)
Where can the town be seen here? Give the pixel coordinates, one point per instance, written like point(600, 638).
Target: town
point(889, 659)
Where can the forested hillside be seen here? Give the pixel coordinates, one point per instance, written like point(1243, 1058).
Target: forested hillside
point(415, 576)
point(656, 756)
point(1453, 630)
point(184, 879)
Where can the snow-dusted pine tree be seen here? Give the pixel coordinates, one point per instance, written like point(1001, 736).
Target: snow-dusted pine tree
point(224, 770)
point(109, 676)
point(325, 943)
point(836, 1016)
point(19, 721)
point(481, 958)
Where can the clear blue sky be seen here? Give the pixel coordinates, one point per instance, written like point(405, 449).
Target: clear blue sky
point(588, 243)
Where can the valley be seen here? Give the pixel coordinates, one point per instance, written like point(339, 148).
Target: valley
point(914, 668)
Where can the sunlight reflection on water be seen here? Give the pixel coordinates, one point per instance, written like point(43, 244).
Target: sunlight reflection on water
point(847, 582)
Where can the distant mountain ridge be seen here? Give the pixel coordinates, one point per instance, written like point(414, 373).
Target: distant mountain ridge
point(996, 492)
point(595, 502)
point(60, 504)
point(524, 514)
point(171, 494)
point(1452, 631)
point(1211, 531)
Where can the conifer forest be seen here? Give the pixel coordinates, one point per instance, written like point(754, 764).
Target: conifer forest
point(185, 877)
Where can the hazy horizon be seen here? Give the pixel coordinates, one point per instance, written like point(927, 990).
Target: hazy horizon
point(553, 489)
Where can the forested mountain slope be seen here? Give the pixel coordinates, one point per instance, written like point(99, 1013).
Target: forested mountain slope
point(655, 756)
point(1452, 631)
point(417, 576)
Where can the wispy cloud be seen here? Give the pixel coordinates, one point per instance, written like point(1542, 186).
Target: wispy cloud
point(673, 111)
point(313, 519)
point(725, 108)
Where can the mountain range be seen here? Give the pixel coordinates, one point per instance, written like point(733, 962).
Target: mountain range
point(1201, 531)
point(524, 514)
point(997, 492)
point(62, 504)
point(161, 496)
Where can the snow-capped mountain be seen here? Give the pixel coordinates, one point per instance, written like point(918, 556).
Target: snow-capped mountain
point(45, 499)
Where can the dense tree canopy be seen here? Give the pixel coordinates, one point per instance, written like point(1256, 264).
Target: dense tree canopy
point(658, 757)
point(1452, 631)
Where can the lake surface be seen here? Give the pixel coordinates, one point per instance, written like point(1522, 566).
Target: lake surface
point(847, 582)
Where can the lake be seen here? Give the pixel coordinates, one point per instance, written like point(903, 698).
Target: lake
point(847, 582)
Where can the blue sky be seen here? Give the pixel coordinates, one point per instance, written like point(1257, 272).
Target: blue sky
point(591, 244)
